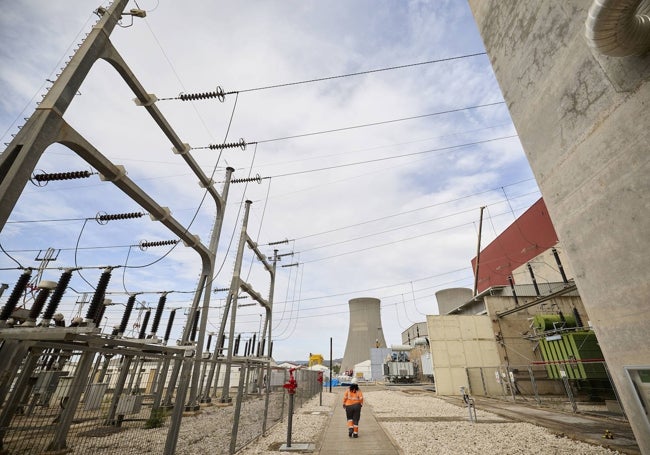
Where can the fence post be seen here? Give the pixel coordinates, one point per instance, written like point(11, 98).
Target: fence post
point(243, 384)
point(76, 389)
point(567, 387)
point(179, 403)
point(534, 384)
point(14, 399)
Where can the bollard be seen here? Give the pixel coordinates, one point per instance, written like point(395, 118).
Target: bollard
point(291, 387)
point(320, 382)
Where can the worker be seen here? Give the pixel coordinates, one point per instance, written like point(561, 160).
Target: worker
point(352, 402)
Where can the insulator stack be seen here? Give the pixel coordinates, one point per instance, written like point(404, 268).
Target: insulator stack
point(261, 352)
point(98, 297)
point(169, 326)
point(279, 242)
point(44, 177)
point(118, 216)
point(246, 348)
point(207, 349)
point(126, 315)
point(236, 347)
point(145, 322)
point(222, 342)
point(271, 349)
point(257, 179)
point(39, 303)
point(18, 290)
point(60, 289)
point(218, 93)
point(253, 345)
point(241, 143)
point(159, 310)
point(100, 314)
point(195, 324)
point(144, 244)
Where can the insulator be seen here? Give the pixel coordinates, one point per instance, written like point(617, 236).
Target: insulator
point(220, 290)
point(144, 244)
point(61, 286)
point(103, 218)
point(218, 93)
point(159, 310)
point(209, 342)
point(39, 303)
point(230, 145)
point(169, 325)
point(143, 329)
point(279, 242)
point(127, 313)
point(194, 325)
point(257, 179)
point(18, 290)
point(98, 297)
point(236, 347)
point(44, 177)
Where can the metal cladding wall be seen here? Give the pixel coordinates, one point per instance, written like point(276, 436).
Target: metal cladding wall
point(365, 331)
point(582, 118)
point(530, 235)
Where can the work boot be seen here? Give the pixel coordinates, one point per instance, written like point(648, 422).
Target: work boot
point(350, 433)
point(355, 435)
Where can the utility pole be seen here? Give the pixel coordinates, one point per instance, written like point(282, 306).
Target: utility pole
point(478, 253)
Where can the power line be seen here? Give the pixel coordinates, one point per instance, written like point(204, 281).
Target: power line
point(415, 117)
point(375, 160)
point(219, 93)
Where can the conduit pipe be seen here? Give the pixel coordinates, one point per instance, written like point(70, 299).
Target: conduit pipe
point(619, 28)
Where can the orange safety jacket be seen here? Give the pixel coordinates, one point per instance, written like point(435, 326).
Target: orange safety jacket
point(350, 398)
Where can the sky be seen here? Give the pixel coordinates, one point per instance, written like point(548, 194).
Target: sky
point(374, 180)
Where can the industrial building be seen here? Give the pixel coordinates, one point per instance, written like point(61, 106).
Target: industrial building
point(575, 77)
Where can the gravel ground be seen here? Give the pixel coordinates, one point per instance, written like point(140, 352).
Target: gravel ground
point(456, 435)
point(443, 429)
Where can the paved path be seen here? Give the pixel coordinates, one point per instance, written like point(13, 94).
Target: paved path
point(372, 438)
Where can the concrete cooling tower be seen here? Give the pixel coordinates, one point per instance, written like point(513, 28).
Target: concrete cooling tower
point(365, 331)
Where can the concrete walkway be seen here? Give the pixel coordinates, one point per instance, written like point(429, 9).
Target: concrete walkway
point(372, 438)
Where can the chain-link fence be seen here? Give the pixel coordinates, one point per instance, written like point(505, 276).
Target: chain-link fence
point(574, 386)
point(101, 396)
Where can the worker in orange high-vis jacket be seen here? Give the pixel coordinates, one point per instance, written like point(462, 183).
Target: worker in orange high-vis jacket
point(352, 402)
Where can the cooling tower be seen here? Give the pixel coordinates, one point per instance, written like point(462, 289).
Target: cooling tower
point(365, 331)
point(452, 298)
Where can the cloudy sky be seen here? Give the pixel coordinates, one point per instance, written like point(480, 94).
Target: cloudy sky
point(374, 179)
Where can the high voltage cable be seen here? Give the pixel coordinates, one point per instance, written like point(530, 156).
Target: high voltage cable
point(415, 117)
point(409, 211)
point(219, 94)
point(374, 160)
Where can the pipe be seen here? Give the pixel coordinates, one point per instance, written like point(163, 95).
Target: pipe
point(619, 28)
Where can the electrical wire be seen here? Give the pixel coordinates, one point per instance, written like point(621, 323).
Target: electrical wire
point(360, 73)
point(384, 122)
point(386, 158)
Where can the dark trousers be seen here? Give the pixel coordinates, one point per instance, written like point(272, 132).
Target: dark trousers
point(353, 413)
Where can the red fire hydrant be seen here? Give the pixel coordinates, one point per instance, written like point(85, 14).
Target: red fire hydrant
point(291, 385)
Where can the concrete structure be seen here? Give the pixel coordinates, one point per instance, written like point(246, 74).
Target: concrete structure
point(582, 120)
point(457, 343)
point(365, 331)
point(415, 334)
point(452, 298)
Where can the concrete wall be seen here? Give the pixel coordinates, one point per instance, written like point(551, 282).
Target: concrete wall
point(583, 122)
point(459, 342)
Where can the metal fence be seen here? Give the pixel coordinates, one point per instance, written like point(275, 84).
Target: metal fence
point(575, 386)
point(94, 395)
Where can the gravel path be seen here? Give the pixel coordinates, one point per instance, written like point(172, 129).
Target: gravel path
point(422, 424)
